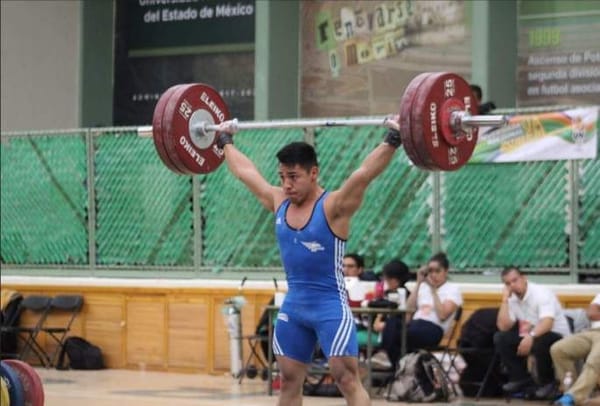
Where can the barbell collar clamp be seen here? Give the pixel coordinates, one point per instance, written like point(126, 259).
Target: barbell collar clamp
point(462, 120)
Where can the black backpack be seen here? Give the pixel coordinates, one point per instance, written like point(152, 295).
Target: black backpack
point(82, 355)
point(320, 383)
point(419, 378)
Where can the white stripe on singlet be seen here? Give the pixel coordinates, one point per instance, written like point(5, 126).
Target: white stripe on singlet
point(343, 333)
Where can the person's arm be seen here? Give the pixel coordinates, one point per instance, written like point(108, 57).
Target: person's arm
point(245, 170)
point(411, 302)
point(445, 309)
point(543, 327)
point(348, 198)
point(379, 323)
point(504, 321)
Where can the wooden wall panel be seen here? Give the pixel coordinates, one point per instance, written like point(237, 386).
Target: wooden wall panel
point(188, 332)
point(183, 329)
point(146, 331)
point(103, 318)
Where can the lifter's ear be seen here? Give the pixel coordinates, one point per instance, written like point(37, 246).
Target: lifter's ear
point(314, 172)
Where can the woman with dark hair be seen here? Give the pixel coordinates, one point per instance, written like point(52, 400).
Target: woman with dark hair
point(435, 301)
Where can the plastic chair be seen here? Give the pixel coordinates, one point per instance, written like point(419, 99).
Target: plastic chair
point(71, 306)
point(446, 349)
point(259, 339)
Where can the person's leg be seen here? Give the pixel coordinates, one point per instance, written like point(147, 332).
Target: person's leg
point(421, 334)
point(565, 352)
point(541, 351)
point(337, 336)
point(506, 343)
point(293, 345)
point(391, 338)
point(590, 374)
point(292, 375)
point(345, 372)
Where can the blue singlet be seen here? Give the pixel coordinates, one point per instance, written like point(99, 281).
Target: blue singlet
point(316, 305)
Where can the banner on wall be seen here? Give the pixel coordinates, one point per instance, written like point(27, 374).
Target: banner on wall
point(558, 53)
point(161, 43)
point(359, 56)
point(568, 134)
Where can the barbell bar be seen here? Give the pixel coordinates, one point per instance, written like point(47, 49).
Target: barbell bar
point(437, 120)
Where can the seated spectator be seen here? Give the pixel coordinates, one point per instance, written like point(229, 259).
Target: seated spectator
point(530, 320)
point(581, 346)
point(354, 265)
point(484, 108)
point(435, 300)
point(395, 275)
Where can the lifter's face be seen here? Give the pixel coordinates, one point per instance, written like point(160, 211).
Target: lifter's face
point(297, 182)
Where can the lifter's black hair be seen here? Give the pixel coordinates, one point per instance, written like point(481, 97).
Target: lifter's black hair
point(298, 153)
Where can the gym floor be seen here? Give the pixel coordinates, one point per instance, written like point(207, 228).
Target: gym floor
point(137, 388)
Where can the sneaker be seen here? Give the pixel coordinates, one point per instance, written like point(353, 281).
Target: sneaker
point(548, 391)
point(565, 400)
point(516, 386)
point(381, 360)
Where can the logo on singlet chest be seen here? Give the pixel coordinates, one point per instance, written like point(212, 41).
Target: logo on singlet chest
point(313, 246)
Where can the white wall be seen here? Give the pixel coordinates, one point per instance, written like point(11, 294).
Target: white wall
point(40, 64)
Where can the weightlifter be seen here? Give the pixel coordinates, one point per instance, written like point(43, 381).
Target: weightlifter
point(312, 226)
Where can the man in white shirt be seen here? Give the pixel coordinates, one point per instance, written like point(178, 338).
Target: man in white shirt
point(581, 346)
point(530, 320)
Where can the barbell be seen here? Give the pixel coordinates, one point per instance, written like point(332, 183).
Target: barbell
point(437, 119)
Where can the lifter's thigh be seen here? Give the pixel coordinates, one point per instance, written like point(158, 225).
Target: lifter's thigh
point(294, 340)
point(338, 337)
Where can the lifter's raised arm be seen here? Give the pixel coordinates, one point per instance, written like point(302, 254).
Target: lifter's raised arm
point(244, 169)
point(348, 198)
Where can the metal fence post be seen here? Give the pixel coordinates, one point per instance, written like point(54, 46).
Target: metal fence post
point(91, 189)
point(436, 212)
point(573, 218)
point(197, 222)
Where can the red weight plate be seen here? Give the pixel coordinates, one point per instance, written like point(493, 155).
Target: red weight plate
point(183, 110)
point(408, 99)
point(432, 96)
point(416, 132)
point(157, 129)
point(33, 388)
point(166, 134)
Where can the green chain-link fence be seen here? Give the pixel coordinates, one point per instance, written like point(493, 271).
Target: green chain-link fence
point(102, 199)
point(44, 199)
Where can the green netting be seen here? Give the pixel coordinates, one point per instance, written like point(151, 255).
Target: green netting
point(143, 210)
point(44, 200)
point(492, 214)
point(589, 219)
point(392, 221)
point(496, 215)
point(238, 231)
